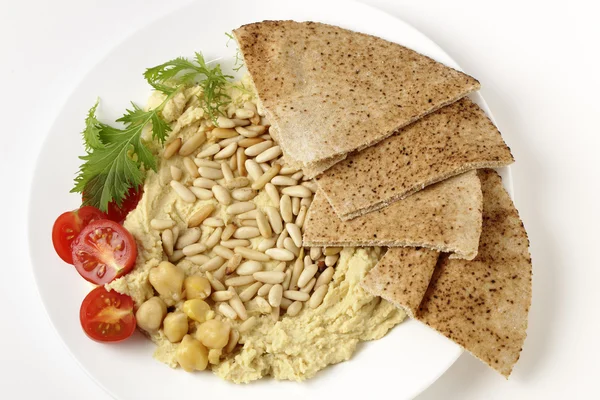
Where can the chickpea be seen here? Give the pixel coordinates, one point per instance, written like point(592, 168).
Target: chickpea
point(197, 287)
point(214, 355)
point(191, 354)
point(213, 334)
point(150, 315)
point(167, 280)
point(175, 326)
point(198, 310)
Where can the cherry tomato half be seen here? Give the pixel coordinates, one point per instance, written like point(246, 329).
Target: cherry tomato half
point(118, 214)
point(68, 225)
point(103, 251)
point(107, 316)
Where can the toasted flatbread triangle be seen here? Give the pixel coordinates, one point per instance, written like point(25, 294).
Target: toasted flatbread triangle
point(402, 277)
point(483, 304)
point(450, 141)
point(330, 90)
point(445, 217)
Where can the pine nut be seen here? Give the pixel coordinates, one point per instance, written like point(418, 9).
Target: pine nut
point(269, 154)
point(250, 254)
point(213, 222)
point(260, 129)
point(266, 136)
point(294, 308)
point(220, 273)
point(296, 272)
point(280, 267)
point(263, 305)
point(240, 208)
point(210, 173)
point(250, 106)
point(167, 242)
point(248, 142)
point(215, 283)
point(201, 162)
point(294, 233)
point(177, 255)
point(221, 295)
point(233, 243)
point(204, 183)
point(258, 148)
point(214, 237)
point(295, 205)
point(223, 252)
point(212, 264)
point(309, 286)
point(246, 232)
point(254, 170)
point(273, 193)
point(297, 191)
point(301, 216)
point(233, 162)
point(307, 262)
point(272, 277)
point(201, 215)
point(264, 166)
point(190, 167)
point(192, 144)
point(263, 225)
point(249, 222)
point(264, 289)
point(223, 133)
point(287, 280)
point(297, 175)
point(274, 219)
point(223, 122)
point(227, 310)
point(267, 176)
point(237, 305)
point(275, 295)
point(285, 208)
point(296, 295)
point(249, 293)
point(226, 142)
point(249, 268)
point(308, 273)
point(288, 170)
point(172, 148)
point(243, 194)
point(317, 297)
point(332, 251)
point(227, 172)
point(311, 185)
point(234, 337)
point(221, 194)
point(228, 231)
point(282, 236)
point(275, 313)
point(176, 173)
point(289, 245)
point(183, 192)
point(209, 151)
point(193, 249)
point(246, 132)
point(280, 254)
point(243, 113)
point(248, 324)
point(285, 303)
point(331, 260)
point(160, 224)
point(306, 202)
point(325, 277)
point(281, 180)
point(247, 215)
point(198, 259)
point(226, 152)
point(200, 193)
point(188, 237)
point(240, 158)
point(240, 280)
point(266, 244)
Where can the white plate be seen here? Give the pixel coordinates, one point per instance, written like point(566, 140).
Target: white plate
point(405, 362)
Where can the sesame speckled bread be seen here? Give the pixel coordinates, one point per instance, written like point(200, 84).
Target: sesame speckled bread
point(402, 276)
point(483, 304)
point(329, 90)
point(444, 217)
point(450, 141)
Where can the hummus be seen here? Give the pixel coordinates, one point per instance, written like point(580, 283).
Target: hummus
point(292, 348)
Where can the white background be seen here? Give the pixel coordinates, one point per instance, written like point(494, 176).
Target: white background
point(539, 65)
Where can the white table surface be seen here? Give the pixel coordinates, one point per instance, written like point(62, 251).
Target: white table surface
point(539, 65)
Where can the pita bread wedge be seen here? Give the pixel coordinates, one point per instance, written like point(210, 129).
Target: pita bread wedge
point(450, 141)
point(330, 91)
point(445, 217)
point(483, 304)
point(402, 276)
